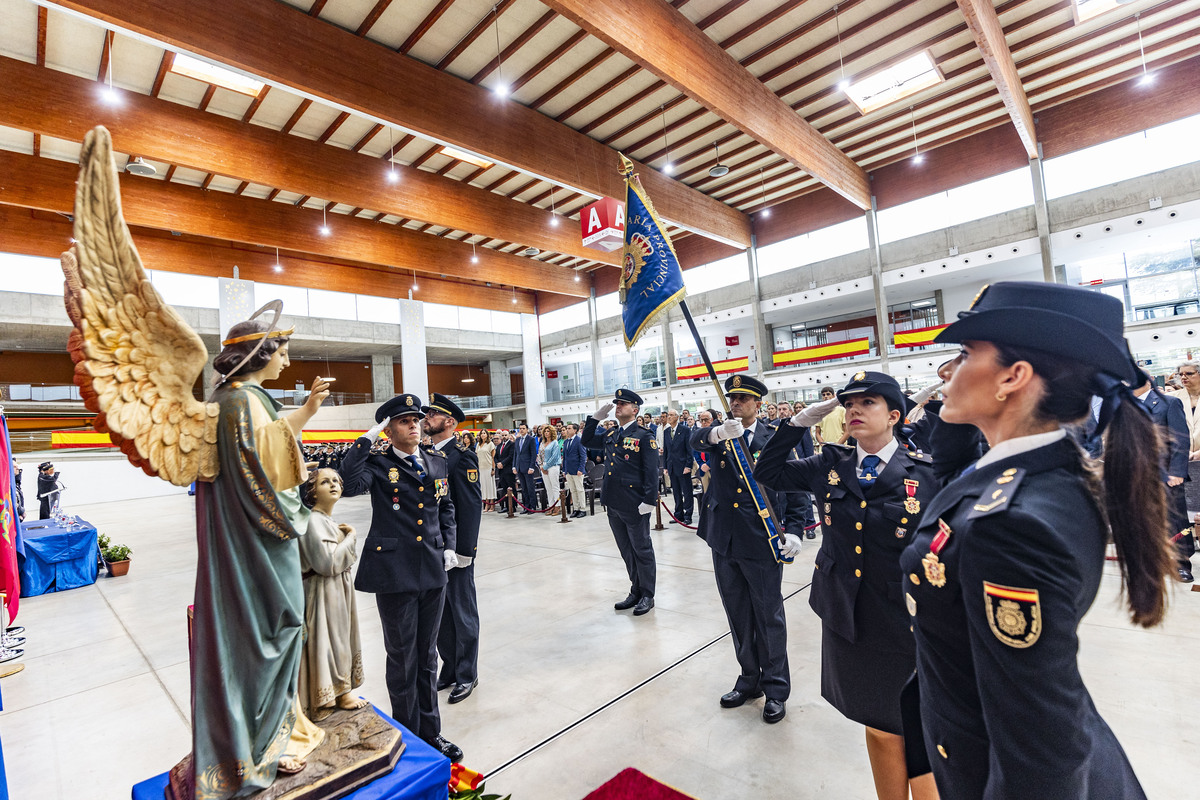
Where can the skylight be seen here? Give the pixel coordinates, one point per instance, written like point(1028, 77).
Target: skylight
point(460, 155)
point(218, 76)
point(1086, 9)
point(894, 83)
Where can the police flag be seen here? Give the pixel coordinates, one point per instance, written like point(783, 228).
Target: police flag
point(651, 280)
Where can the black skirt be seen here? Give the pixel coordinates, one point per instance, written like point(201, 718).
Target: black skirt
point(864, 682)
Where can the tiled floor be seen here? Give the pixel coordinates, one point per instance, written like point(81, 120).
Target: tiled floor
point(103, 700)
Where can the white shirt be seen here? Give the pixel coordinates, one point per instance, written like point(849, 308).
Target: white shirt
point(442, 444)
point(885, 455)
point(401, 454)
point(1021, 444)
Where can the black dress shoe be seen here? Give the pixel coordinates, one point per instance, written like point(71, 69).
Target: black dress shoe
point(444, 683)
point(739, 698)
point(811, 534)
point(1185, 575)
point(773, 711)
point(628, 602)
point(462, 691)
point(643, 605)
point(672, 522)
point(447, 748)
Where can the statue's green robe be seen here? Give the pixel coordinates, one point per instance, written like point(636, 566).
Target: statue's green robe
point(249, 609)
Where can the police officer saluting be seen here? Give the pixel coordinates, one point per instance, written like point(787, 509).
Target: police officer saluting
point(458, 638)
point(873, 497)
point(629, 492)
point(749, 579)
point(405, 557)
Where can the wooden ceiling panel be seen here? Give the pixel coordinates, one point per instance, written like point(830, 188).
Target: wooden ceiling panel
point(347, 13)
point(19, 34)
point(73, 45)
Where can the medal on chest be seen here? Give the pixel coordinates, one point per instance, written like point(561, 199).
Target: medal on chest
point(441, 487)
point(631, 443)
point(393, 475)
point(935, 570)
point(912, 505)
point(833, 478)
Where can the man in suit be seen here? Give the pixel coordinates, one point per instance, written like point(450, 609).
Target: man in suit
point(525, 468)
point(458, 635)
point(749, 579)
point(678, 451)
point(405, 557)
point(574, 465)
point(1167, 412)
point(629, 493)
point(506, 476)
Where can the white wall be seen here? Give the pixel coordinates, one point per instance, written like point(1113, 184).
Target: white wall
point(91, 479)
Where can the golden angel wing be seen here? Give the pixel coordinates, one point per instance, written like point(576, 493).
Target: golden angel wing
point(136, 360)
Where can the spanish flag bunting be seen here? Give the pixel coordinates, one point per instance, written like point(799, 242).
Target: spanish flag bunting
point(720, 367)
point(823, 352)
point(918, 337)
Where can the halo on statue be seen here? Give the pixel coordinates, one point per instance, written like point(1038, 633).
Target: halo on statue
point(273, 305)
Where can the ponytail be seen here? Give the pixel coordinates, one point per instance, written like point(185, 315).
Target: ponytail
point(1130, 494)
point(1135, 503)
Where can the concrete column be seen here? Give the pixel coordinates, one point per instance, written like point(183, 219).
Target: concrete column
point(1041, 212)
point(881, 314)
point(501, 386)
point(668, 346)
point(597, 365)
point(414, 365)
point(760, 337)
point(531, 363)
point(383, 379)
point(208, 376)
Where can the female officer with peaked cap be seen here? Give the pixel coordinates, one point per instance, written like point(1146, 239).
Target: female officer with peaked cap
point(1008, 557)
point(872, 497)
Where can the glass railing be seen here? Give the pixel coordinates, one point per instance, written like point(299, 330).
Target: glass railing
point(39, 392)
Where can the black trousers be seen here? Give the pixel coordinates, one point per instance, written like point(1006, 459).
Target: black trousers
point(410, 627)
point(752, 594)
point(632, 532)
point(458, 636)
point(681, 489)
point(528, 489)
point(1178, 522)
point(795, 511)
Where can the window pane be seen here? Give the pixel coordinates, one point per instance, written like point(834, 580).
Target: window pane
point(608, 305)
point(295, 299)
point(499, 321)
point(332, 305)
point(912, 219)
point(1104, 268)
point(993, 195)
point(197, 291)
point(31, 274)
point(1161, 289)
point(1156, 262)
point(438, 315)
point(378, 309)
point(563, 318)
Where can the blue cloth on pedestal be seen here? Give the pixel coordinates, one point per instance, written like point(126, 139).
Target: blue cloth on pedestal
point(57, 559)
point(422, 773)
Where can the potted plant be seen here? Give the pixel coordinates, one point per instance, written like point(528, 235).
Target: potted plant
point(116, 558)
point(102, 543)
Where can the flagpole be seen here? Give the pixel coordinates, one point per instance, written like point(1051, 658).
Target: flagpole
point(712, 373)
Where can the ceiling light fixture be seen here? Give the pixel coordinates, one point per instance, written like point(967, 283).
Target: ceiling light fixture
point(110, 94)
point(414, 280)
point(514, 288)
point(474, 255)
point(278, 266)
point(766, 212)
point(468, 379)
point(918, 156)
point(553, 211)
point(324, 222)
point(392, 176)
point(1147, 76)
point(138, 166)
point(842, 84)
point(668, 167)
point(718, 170)
point(501, 88)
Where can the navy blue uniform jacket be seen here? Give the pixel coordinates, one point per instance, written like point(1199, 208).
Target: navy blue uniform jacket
point(1004, 711)
point(630, 465)
point(1167, 412)
point(856, 588)
point(729, 521)
point(574, 460)
point(412, 520)
point(467, 495)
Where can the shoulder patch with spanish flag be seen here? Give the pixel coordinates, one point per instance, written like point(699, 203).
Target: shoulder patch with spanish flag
point(473, 475)
point(1014, 615)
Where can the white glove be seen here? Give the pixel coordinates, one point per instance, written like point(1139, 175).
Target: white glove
point(790, 547)
point(449, 559)
point(729, 429)
point(464, 561)
point(645, 508)
point(813, 414)
point(922, 397)
point(373, 434)
point(603, 412)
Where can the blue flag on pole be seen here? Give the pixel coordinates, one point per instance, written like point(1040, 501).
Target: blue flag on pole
point(651, 280)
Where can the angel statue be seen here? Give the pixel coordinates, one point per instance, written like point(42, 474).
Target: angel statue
point(331, 666)
point(136, 362)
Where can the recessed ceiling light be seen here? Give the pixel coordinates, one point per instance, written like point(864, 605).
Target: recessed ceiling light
point(454, 152)
point(218, 76)
point(138, 166)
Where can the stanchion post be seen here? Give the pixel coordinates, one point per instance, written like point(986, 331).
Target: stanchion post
point(562, 504)
point(658, 526)
point(510, 503)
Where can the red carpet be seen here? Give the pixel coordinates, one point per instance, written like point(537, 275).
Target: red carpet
point(629, 784)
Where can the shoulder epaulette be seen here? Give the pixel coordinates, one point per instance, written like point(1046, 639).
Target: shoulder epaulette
point(433, 451)
point(844, 448)
point(917, 455)
point(999, 494)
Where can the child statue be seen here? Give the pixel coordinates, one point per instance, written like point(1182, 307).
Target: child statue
point(331, 663)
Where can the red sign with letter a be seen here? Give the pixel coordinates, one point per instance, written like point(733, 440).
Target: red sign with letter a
point(603, 225)
point(731, 341)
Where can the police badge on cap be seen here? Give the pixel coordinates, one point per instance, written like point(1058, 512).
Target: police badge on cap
point(746, 385)
point(402, 405)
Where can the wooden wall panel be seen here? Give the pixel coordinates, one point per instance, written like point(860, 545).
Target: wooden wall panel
point(696, 251)
point(19, 366)
point(818, 209)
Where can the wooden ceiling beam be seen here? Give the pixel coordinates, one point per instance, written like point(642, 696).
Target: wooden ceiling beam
point(486, 21)
point(665, 42)
point(46, 101)
point(50, 186)
point(423, 27)
point(284, 45)
point(372, 17)
point(514, 46)
point(989, 38)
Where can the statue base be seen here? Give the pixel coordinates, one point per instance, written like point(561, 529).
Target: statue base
point(359, 747)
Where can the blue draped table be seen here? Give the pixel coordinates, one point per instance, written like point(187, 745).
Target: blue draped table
point(422, 773)
point(56, 558)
